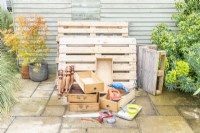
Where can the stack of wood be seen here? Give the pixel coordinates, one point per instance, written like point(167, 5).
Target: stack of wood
point(82, 95)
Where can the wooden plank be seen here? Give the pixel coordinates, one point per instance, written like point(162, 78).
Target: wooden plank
point(124, 76)
point(149, 70)
point(104, 71)
point(92, 58)
point(41, 5)
point(60, 30)
point(104, 24)
point(131, 10)
point(92, 50)
point(82, 41)
point(92, 67)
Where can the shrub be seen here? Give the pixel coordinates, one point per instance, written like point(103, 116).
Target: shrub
point(182, 47)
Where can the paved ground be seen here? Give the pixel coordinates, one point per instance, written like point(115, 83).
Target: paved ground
point(40, 111)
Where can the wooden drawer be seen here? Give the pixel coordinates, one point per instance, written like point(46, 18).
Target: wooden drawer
point(76, 95)
point(116, 106)
point(89, 82)
point(83, 107)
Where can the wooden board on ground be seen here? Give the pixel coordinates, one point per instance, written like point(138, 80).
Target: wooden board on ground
point(151, 65)
point(104, 71)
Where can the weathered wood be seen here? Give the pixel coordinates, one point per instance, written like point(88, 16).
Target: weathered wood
point(82, 41)
point(83, 107)
point(148, 69)
point(104, 70)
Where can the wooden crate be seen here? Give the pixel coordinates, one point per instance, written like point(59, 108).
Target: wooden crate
point(116, 106)
point(76, 95)
point(104, 70)
point(151, 65)
point(82, 53)
point(89, 82)
point(91, 29)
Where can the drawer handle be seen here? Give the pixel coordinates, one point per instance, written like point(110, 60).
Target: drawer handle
point(95, 88)
point(107, 106)
point(82, 107)
point(81, 97)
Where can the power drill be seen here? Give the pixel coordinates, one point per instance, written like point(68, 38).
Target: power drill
point(119, 86)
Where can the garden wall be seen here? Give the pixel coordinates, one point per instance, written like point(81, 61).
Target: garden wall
point(142, 15)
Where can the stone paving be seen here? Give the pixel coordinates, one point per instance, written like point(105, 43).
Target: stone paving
point(40, 111)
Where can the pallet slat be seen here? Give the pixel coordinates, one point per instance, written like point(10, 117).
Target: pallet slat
point(92, 50)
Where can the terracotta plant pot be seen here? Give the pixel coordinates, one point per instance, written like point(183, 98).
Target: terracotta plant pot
point(25, 72)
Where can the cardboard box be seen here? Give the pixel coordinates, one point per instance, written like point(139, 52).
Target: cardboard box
point(89, 82)
point(116, 105)
point(76, 95)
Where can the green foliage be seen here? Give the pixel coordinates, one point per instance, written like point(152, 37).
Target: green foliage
point(171, 80)
point(182, 68)
point(8, 82)
point(8, 69)
point(5, 19)
point(182, 47)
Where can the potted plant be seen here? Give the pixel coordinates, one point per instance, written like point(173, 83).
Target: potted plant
point(29, 43)
point(13, 41)
point(35, 35)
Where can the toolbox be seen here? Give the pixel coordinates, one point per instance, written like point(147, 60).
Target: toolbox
point(76, 95)
point(89, 82)
point(116, 105)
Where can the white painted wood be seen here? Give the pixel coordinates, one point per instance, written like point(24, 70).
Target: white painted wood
point(110, 40)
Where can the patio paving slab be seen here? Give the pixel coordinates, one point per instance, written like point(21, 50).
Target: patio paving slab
point(167, 110)
point(55, 101)
point(35, 125)
point(175, 98)
point(190, 112)
point(29, 107)
point(111, 130)
point(195, 124)
point(2, 130)
point(140, 92)
point(163, 124)
point(42, 93)
point(82, 124)
point(27, 87)
point(54, 111)
point(147, 108)
point(4, 123)
point(73, 131)
point(51, 79)
point(46, 86)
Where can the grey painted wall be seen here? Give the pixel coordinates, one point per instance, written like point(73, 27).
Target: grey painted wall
point(142, 15)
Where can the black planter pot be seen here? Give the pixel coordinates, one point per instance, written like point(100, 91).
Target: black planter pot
point(42, 73)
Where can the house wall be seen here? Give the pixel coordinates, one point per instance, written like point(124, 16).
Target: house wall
point(142, 16)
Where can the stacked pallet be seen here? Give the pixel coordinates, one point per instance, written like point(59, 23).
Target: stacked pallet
point(100, 47)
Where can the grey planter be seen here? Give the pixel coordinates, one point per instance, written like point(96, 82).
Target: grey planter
point(41, 75)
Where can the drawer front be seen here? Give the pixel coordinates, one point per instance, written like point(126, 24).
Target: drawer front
point(90, 88)
point(82, 98)
point(82, 107)
point(108, 104)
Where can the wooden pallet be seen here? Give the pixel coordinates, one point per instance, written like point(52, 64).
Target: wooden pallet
point(92, 29)
point(150, 76)
point(83, 52)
